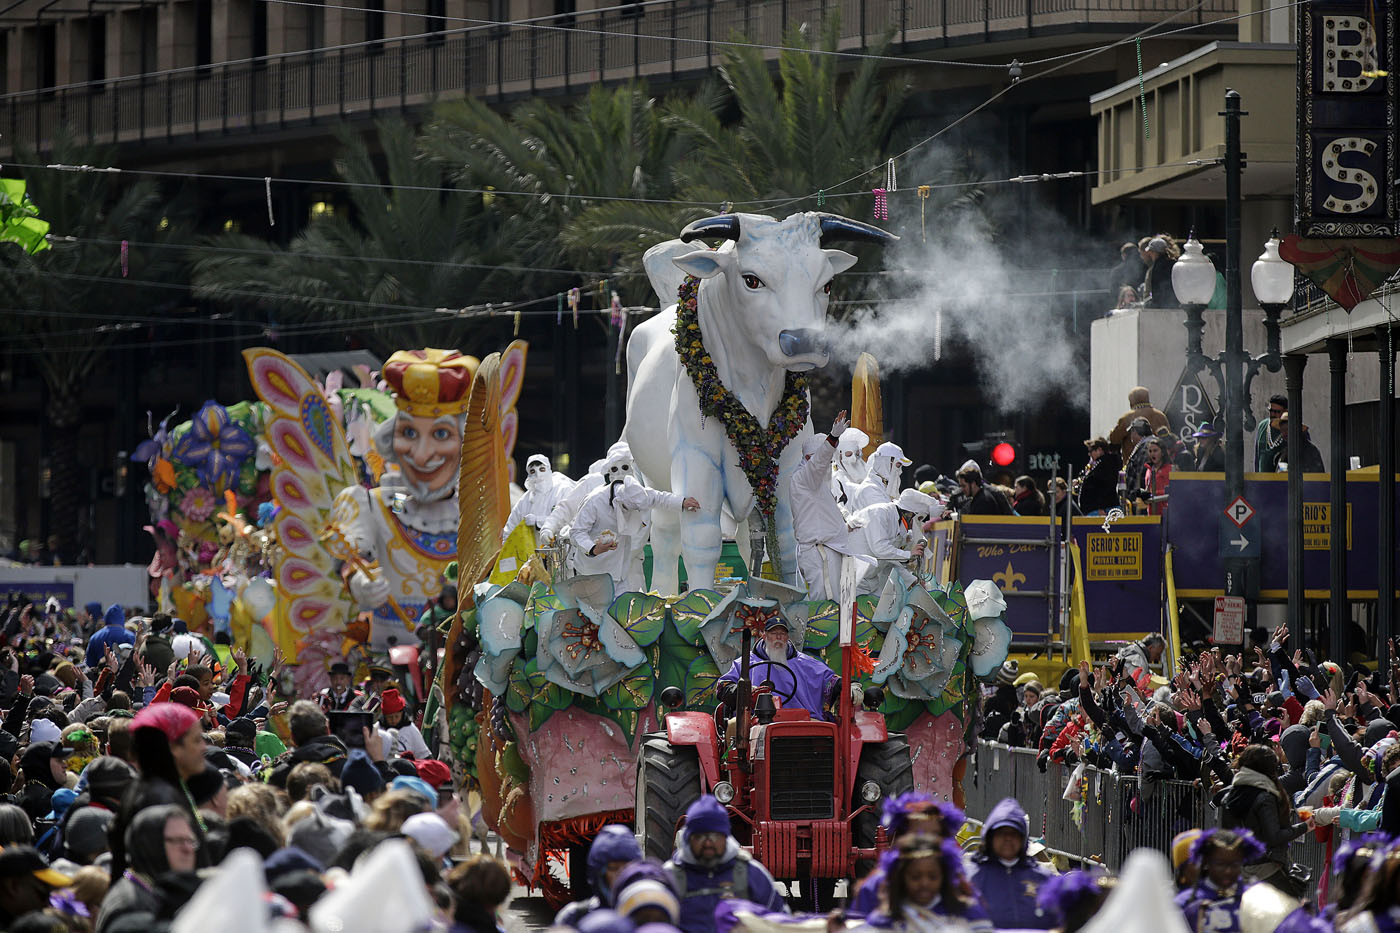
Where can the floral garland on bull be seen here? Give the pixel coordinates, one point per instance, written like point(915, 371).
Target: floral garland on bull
point(759, 447)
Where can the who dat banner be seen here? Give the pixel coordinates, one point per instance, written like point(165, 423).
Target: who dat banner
point(1345, 175)
point(1193, 519)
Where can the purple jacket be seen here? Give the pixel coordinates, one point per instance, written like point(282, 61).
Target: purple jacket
point(1207, 911)
point(813, 678)
point(1009, 891)
point(702, 888)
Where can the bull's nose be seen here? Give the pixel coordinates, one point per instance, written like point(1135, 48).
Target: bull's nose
point(802, 342)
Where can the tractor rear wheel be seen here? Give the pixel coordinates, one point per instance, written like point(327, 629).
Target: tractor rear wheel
point(668, 782)
point(889, 765)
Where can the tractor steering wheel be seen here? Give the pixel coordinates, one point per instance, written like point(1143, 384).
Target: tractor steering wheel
point(787, 697)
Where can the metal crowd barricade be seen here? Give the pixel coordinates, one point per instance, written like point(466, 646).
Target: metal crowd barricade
point(1118, 814)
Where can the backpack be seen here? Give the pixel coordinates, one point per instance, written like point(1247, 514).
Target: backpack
point(738, 877)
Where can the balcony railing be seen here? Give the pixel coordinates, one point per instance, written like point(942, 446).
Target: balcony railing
point(658, 41)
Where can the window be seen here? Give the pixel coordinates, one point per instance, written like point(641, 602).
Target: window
point(45, 54)
point(374, 22)
point(150, 38)
point(259, 29)
point(203, 32)
point(97, 48)
point(437, 13)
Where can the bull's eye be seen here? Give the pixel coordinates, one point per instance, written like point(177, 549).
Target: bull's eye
point(752, 281)
point(826, 289)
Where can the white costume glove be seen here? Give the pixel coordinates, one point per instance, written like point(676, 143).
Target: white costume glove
point(1325, 816)
point(839, 426)
point(371, 592)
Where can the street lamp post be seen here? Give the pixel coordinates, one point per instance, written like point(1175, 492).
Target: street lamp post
point(1193, 280)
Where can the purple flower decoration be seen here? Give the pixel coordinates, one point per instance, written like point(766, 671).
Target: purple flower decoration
point(156, 446)
point(215, 446)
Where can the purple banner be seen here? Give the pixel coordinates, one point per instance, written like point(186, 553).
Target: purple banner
point(1122, 575)
point(1193, 519)
point(1015, 554)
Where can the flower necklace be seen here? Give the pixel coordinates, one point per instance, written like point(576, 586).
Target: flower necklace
point(759, 447)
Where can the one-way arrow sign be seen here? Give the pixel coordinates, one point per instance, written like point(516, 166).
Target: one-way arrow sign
point(1238, 542)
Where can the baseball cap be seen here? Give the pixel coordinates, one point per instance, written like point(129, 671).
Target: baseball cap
point(26, 860)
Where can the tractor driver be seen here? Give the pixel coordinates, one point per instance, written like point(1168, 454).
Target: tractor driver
point(816, 684)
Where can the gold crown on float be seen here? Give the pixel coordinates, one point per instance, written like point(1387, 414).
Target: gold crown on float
point(430, 382)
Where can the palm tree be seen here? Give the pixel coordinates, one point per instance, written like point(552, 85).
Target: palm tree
point(555, 166)
point(382, 267)
point(66, 305)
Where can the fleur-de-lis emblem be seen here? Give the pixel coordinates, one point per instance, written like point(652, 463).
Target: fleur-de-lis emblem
point(1008, 578)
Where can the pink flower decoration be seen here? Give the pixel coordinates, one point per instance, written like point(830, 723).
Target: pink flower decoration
point(198, 504)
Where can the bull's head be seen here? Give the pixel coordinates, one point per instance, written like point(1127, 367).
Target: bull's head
point(775, 277)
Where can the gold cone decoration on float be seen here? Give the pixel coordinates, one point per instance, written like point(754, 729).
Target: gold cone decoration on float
point(867, 412)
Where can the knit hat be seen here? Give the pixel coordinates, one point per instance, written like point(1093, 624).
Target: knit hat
point(43, 730)
point(1181, 846)
point(289, 859)
point(646, 893)
point(706, 815)
point(172, 719)
point(67, 673)
point(243, 730)
point(433, 771)
point(204, 786)
point(320, 836)
point(392, 701)
point(108, 776)
point(86, 834)
point(431, 832)
point(360, 773)
point(267, 744)
point(1008, 672)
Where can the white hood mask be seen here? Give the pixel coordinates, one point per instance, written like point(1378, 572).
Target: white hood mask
point(620, 466)
point(850, 461)
point(887, 465)
point(537, 473)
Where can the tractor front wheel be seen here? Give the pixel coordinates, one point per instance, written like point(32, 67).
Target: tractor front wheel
point(668, 782)
point(889, 765)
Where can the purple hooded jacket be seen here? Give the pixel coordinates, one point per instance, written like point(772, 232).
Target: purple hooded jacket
point(613, 843)
point(701, 887)
point(814, 678)
point(1009, 891)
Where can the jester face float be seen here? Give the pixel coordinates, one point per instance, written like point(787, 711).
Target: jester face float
point(407, 525)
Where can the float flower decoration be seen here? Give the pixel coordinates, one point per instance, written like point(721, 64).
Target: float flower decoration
point(759, 447)
point(215, 446)
point(931, 638)
point(197, 504)
point(587, 639)
point(155, 453)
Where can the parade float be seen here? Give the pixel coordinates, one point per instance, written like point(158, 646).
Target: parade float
point(569, 672)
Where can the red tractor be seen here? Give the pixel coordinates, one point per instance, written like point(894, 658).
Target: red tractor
point(803, 794)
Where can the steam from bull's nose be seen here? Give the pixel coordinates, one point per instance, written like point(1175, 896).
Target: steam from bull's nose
point(963, 290)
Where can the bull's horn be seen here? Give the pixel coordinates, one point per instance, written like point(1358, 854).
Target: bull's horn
point(724, 226)
point(835, 228)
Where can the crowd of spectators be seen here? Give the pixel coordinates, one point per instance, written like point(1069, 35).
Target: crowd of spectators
point(153, 780)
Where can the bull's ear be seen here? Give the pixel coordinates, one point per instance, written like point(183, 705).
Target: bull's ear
point(704, 263)
point(840, 260)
